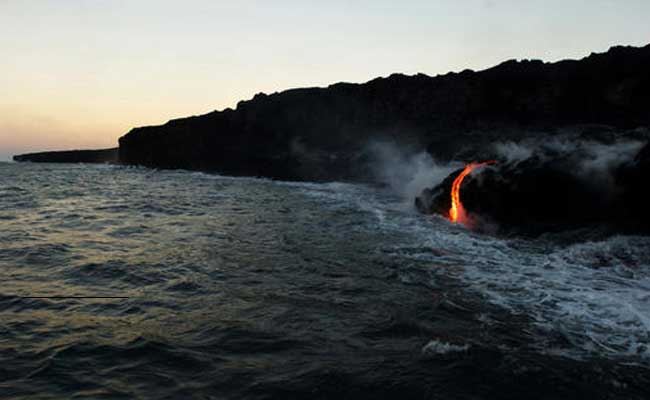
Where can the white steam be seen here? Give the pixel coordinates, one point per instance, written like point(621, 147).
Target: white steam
point(601, 157)
point(405, 171)
point(408, 171)
point(595, 161)
point(513, 152)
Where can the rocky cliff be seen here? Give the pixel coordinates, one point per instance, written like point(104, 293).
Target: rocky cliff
point(323, 133)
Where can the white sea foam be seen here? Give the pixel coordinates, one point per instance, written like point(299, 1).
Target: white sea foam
point(594, 295)
point(440, 347)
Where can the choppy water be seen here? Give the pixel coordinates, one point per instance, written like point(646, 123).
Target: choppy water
point(246, 288)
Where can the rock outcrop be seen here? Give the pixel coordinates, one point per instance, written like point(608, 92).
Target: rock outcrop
point(322, 133)
point(72, 156)
point(553, 192)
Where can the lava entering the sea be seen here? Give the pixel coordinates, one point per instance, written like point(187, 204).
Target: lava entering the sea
point(457, 211)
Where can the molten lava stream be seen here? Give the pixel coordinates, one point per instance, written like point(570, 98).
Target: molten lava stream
point(457, 211)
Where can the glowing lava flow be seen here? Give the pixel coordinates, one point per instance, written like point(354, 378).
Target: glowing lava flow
point(457, 211)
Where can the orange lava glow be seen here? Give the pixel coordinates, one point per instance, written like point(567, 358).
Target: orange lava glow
point(457, 211)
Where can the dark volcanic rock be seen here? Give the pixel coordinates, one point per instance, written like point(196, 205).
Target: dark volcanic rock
point(322, 133)
point(551, 193)
point(72, 156)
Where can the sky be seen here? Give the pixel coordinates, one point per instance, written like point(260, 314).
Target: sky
point(81, 73)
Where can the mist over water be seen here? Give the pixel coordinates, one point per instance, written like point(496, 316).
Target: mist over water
point(252, 288)
point(405, 171)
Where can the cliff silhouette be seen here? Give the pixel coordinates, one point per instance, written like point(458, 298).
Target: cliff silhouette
point(323, 133)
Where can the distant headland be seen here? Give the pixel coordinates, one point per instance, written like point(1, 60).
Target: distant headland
point(72, 156)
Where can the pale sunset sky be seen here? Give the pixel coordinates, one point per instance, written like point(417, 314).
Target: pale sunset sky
point(79, 74)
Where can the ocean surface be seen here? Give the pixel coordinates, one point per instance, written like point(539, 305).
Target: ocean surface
point(123, 283)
